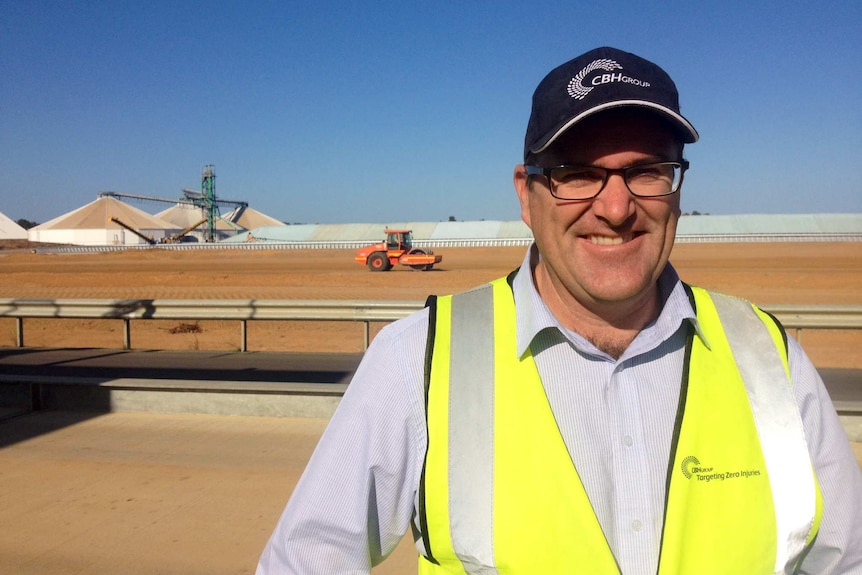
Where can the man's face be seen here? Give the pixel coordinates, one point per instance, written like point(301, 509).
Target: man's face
point(609, 250)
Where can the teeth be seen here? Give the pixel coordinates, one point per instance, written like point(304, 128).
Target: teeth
point(607, 241)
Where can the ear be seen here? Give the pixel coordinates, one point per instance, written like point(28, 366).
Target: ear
point(522, 188)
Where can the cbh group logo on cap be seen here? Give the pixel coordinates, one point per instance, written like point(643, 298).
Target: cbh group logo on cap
point(577, 90)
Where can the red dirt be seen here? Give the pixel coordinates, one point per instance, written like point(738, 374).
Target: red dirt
point(766, 273)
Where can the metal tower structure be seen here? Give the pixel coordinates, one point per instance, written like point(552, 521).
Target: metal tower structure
point(205, 199)
point(208, 201)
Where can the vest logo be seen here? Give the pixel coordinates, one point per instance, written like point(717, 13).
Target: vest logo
point(577, 90)
point(692, 468)
point(687, 466)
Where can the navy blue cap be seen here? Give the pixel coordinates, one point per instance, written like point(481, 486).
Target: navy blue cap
point(598, 80)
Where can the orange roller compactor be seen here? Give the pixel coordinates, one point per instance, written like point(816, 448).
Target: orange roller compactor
point(397, 249)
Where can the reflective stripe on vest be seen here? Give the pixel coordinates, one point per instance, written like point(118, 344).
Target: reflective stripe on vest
point(778, 422)
point(500, 494)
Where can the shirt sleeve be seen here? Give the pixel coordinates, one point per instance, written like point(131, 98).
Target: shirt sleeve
point(838, 547)
point(354, 501)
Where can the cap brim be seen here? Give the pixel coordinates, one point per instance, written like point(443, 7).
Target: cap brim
point(685, 128)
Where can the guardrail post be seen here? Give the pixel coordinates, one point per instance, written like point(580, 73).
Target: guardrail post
point(19, 332)
point(127, 334)
point(243, 337)
point(367, 335)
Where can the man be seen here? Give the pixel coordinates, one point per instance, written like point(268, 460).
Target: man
point(590, 413)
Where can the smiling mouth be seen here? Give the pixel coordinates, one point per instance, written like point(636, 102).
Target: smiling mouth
point(610, 240)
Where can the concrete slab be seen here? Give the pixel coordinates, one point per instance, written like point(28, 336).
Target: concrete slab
point(140, 494)
point(110, 364)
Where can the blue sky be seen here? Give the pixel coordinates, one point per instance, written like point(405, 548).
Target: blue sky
point(338, 111)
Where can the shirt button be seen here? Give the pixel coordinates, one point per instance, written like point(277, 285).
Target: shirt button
point(628, 440)
point(637, 525)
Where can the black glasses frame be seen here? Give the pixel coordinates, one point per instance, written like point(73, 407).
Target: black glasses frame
point(623, 172)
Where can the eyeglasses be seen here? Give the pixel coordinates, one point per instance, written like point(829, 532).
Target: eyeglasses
point(586, 182)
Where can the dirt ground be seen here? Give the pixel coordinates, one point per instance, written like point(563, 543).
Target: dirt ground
point(766, 273)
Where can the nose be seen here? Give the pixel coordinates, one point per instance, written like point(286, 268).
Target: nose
point(615, 204)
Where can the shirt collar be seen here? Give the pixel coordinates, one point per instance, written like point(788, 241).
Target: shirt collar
point(533, 316)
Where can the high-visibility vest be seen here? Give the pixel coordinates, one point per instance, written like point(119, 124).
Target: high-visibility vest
point(499, 493)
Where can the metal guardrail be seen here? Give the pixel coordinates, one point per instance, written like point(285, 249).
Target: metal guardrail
point(818, 316)
point(793, 317)
point(243, 311)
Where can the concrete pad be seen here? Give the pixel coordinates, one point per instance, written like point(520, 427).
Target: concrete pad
point(140, 494)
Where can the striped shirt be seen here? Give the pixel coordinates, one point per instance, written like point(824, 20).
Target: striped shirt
point(356, 498)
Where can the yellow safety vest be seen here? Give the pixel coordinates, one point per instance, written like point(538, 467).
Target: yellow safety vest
point(499, 493)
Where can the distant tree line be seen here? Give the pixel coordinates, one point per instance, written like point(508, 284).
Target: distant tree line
point(26, 224)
